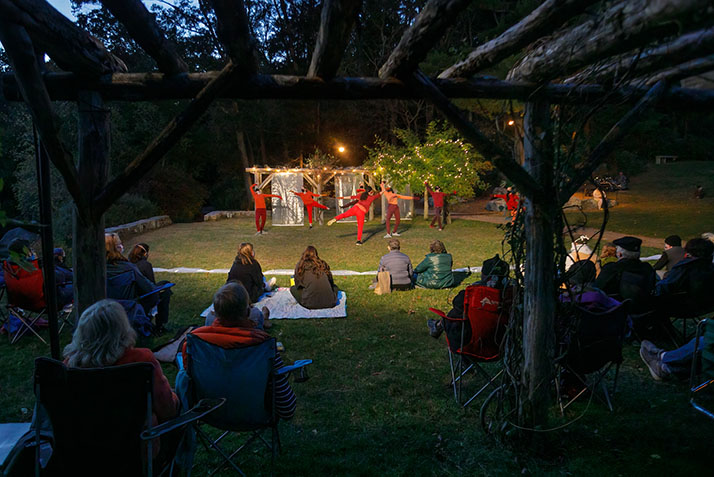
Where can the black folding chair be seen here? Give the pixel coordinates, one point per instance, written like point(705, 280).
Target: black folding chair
point(702, 374)
point(591, 349)
point(101, 419)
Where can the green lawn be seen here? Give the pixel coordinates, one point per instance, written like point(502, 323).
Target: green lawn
point(661, 202)
point(378, 401)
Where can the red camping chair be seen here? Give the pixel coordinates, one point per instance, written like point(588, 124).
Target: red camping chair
point(26, 300)
point(476, 337)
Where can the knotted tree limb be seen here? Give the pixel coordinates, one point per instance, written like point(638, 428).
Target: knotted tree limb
point(142, 27)
point(626, 25)
point(72, 48)
point(612, 139)
point(550, 15)
point(428, 27)
point(20, 51)
point(233, 29)
point(336, 21)
point(171, 134)
point(680, 72)
point(503, 160)
point(687, 47)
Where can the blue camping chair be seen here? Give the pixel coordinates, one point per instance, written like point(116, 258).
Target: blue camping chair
point(122, 288)
point(702, 373)
point(241, 376)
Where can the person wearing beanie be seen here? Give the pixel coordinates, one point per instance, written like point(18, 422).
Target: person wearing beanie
point(673, 253)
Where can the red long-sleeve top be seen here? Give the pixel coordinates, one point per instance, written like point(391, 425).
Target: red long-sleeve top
point(307, 197)
point(438, 196)
point(260, 198)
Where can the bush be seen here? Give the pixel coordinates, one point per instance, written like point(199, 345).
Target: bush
point(130, 208)
point(175, 192)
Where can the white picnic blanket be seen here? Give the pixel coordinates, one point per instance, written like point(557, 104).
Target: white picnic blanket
point(283, 306)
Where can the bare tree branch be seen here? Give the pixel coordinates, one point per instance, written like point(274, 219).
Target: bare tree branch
point(338, 17)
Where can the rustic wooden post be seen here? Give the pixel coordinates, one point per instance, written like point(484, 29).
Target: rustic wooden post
point(89, 258)
point(539, 291)
point(321, 213)
point(370, 181)
point(426, 203)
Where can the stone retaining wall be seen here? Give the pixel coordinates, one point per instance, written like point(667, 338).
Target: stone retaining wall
point(126, 231)
point(228, 214)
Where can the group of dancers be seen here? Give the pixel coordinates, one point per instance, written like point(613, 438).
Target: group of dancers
point(358, 208)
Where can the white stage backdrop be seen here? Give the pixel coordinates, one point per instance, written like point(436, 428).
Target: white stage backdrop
point(345, 186)
point(288, 211)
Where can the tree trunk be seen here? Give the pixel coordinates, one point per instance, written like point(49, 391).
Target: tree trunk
point(89, 259)
point(539, 291)
point(243, 157)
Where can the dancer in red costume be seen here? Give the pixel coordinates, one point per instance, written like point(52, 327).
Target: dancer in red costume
point(512, 202)
point(364, 200)
point(260, 213)
point(308, 198)
point(438, 203)
point(393, 208)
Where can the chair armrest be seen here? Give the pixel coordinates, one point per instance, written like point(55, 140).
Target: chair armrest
point(202, 408)
point(301, 363)
point(158, 289)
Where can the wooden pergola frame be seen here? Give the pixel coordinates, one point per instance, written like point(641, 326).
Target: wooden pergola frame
point(641, 47)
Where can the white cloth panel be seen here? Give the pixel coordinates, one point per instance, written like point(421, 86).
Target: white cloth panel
point(288, 211)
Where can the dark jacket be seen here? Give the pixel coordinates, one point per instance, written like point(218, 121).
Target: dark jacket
point(251, 276)
point(435, 271)
point(142, 284)
point(399, 267)
point(688, 288)
point(314, 291)
point(146, 269)
point(669, 259)
point(628, 279)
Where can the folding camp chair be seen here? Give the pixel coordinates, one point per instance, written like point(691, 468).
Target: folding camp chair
point(480, 332)
point(590, 350)
point(26, 300)
point(702, 374)
point(242, 376)
point(122, 288)
point(101, 419)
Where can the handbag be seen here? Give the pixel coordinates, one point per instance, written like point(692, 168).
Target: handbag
point(384, 283)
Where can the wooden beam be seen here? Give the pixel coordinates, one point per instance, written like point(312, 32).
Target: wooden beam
point(20, 51)
point(503, 160)
point(337, 19)
point(608, 144)
point(72, 48)
point(164, 141)
point(233, 29)
point(142, 27)
point(428, 27)
point(550, 15)
point(155, 86)
point(626, 25)
point(686, 47)
point(680, 72)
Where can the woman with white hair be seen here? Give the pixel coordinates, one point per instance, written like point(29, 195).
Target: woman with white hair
point(104, 337)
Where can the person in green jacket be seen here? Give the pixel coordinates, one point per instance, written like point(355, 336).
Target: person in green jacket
point(435, 270)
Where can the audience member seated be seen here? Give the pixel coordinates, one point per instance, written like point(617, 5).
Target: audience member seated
point(435, 270)
point(118, 264)
point(621, 181)
point(247, 270)
point(314, 287)
point(139, 256)
point(672, 254)
point(628, 278)
point(666, 364)
point(581, 291)
point(608, 254)
point(63, 276)
point(232, 328)
point(398, 265)
point(494, 274)
point(689, 287)
point(103, 337)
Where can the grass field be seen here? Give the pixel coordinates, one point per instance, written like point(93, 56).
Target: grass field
point(378, 401)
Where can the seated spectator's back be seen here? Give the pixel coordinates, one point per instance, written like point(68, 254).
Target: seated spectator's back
point(397, 264)
point(689, 286)
point(628, 278)
point(435, 270)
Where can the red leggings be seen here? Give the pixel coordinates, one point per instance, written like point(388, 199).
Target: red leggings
point(437, 216)
point(260, 216)
point(354, 211)
point(309, 210)
point(393, 209)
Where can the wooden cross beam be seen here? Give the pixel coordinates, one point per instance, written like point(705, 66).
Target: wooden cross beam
point(427, 29)
point(21, 53)
point(233, 29)
point(626, 25)
point(142, 27)
point(550, 15)
point(337, 19)
point(72, 48)
point(171, 134)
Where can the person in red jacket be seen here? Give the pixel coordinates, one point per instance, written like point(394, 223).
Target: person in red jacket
point(260, 213)
point(393, 208)
point(512, 202)
point(308, 198)
point(364, 201)
point(438, 197)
